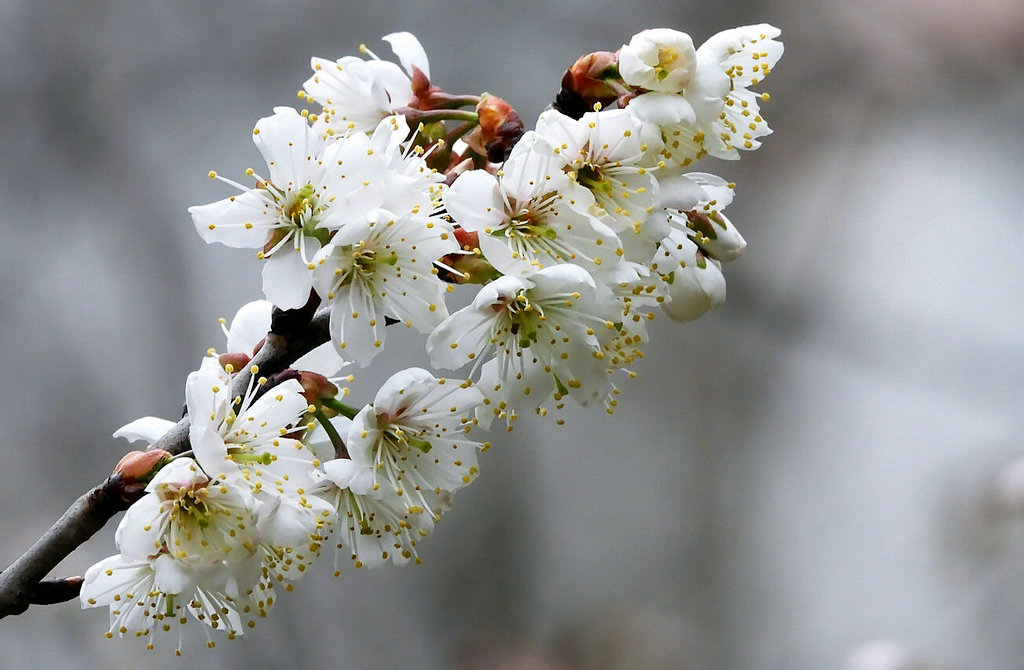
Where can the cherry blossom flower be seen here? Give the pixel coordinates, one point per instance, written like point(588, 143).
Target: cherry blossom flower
point(545, 331)
point(659, 59)
point(356, 94)
point(525, 220)
point(700, 240)
point(601, 154)
point(147, 597)
point(728, 64)
point(382, 266)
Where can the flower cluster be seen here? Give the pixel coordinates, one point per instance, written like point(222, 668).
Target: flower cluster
point(373, 207)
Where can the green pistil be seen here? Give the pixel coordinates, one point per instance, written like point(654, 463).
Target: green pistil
point(591, 178)
point(259, 459)
point(419, 443)
point(190, 505)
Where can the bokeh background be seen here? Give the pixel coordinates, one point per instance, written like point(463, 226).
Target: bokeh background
point(814, 476)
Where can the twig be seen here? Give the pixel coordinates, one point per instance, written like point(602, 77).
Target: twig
point(292, 334)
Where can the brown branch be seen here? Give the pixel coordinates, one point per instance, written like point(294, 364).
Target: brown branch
point(19, 582)
point(53, 591)
point(292, 334)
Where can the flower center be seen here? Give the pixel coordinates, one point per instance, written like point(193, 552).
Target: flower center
point(524, 319)
point(590, 176)
point(667, 56)
point(191, 505)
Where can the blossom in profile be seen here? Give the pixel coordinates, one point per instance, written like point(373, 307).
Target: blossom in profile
point(701, 238)
point(405, 455)
point(729, 63)
point(712, 111)
point(152, 597)
point(356, 94)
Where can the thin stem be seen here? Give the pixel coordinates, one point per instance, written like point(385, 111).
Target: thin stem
point(340, 451)
point(340, 407)
point(458, 132)
point(447, 100)
point(414, 116)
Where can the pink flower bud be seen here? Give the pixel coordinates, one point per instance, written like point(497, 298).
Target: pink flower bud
point(138, 467)
point(236, 361)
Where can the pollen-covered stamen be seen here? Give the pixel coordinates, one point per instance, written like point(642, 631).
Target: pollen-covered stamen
point(391, 456)
point(667, 56)
point(529, 232)
point(191, 506)
point(363, 265)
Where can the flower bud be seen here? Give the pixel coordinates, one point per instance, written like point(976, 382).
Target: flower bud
point(468, 239)
point(659, 59)
point(316, 387)
point(236, 361)
point(499, 130)
point(138, 467)
point(695, 289)
point(590, 80)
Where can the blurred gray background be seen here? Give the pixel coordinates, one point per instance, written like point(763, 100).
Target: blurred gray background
point(807, 470)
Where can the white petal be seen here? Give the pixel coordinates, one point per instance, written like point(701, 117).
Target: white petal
point(460, 338)
point(243, 221)
point(148, 429)
point(287, 280)
point(322, 360)
point(138, 535)
point(250, 325)
point(409, 51)
point(662, 108)
point(474, 201)
point(290, 147)
point(172, 577)
point(113, 576)
point(681, 192)
point(210, 451)
point(694, 291)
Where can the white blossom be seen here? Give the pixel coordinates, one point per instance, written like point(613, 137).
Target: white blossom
point(659, 59)
point(382, 266)
point(147, 597)
point(356, 94)
point(525, 220)
point(728, 64)
point(601, 153)
point(546, 333)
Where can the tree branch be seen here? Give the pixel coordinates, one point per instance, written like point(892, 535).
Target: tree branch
point(19, 582)
point(293, 333)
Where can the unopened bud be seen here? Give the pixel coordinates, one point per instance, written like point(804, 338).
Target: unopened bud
point(694, 289)
point(589, 81)
point(421, 87)
point(468, 239)
point(715, 235)
point(500, 127)
point(138, 467)
point(236, 361)
point(316, 387)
